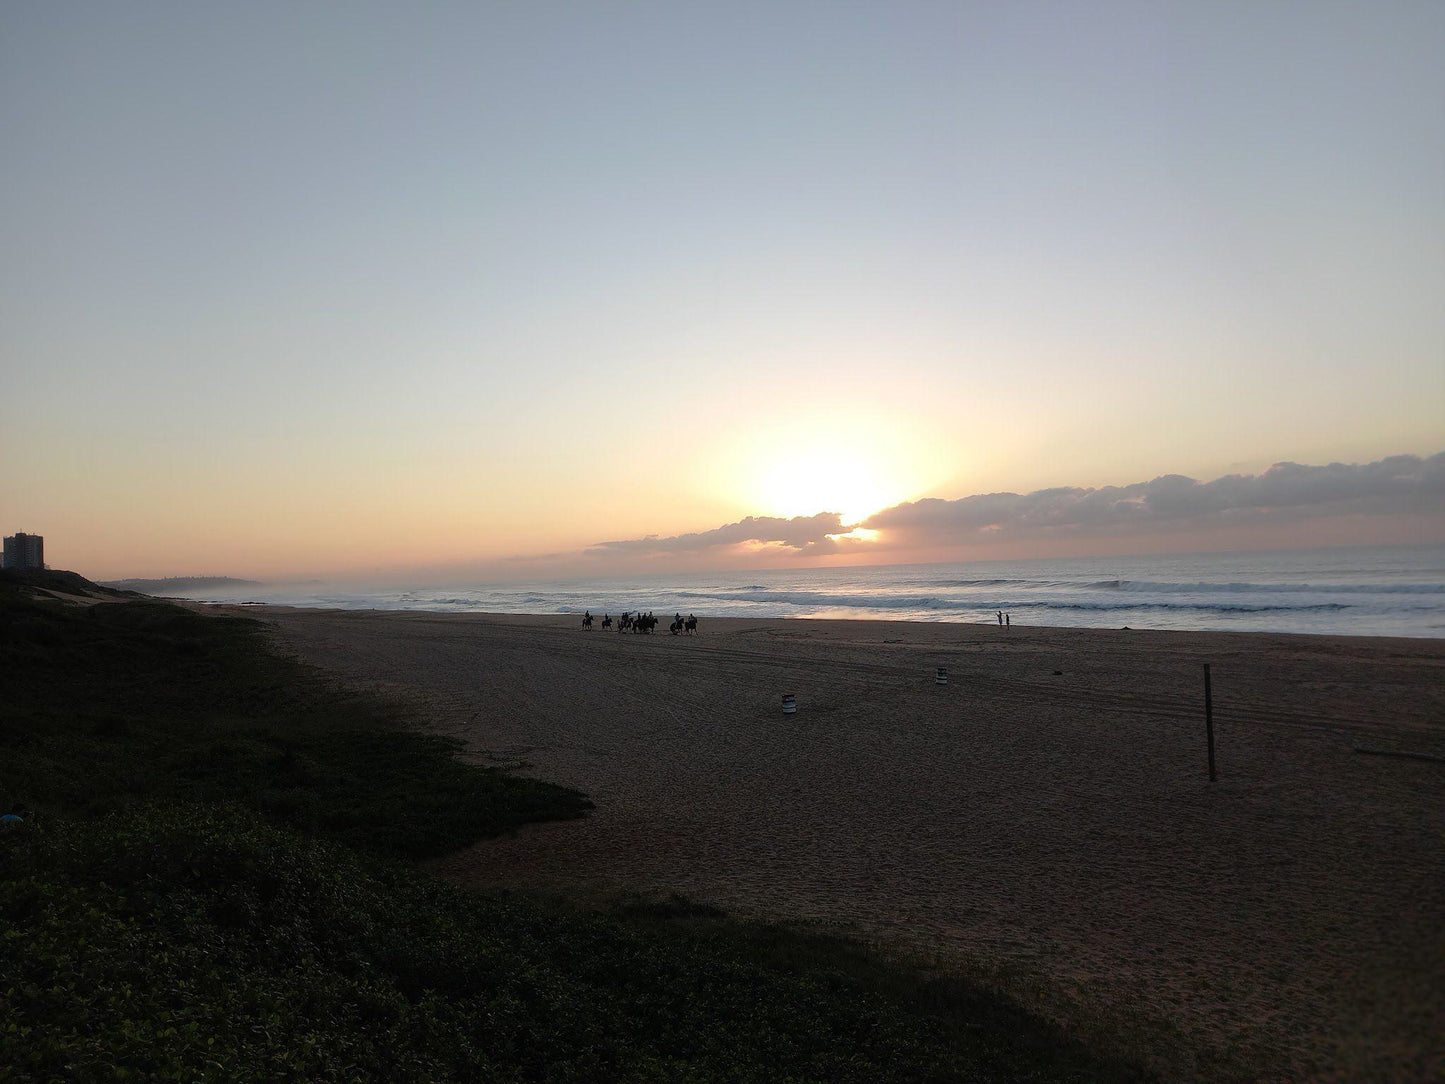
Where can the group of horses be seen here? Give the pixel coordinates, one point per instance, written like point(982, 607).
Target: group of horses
point(643, 622)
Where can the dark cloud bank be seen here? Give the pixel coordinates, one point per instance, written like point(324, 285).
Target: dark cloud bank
point(1401, 484)
point(805, 534)
point(1398, 485)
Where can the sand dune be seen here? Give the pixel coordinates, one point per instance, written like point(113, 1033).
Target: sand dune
point(1055, 830)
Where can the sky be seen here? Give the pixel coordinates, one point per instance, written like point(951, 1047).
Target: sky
point(301, 289)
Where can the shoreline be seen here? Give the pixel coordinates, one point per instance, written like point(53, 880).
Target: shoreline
point(1047, 815)
point(1358, 591)
point(571, 620)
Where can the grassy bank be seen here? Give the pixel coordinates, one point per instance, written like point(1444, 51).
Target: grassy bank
point(110, 704)
point(214, 887)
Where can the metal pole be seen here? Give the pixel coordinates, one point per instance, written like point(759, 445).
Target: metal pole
point(1209, 719)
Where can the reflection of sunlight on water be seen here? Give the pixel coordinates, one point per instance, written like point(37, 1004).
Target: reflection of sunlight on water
point(1366, 591)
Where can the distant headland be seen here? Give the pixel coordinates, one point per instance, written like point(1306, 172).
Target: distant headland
point(172, 584)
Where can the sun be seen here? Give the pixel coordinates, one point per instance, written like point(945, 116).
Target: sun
point(825, 479)
point(854, 463)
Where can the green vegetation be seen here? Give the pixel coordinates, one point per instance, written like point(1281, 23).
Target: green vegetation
point(212, 890)
point(109, 704)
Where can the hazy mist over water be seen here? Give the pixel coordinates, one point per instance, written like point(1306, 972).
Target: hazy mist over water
point(1376, 591)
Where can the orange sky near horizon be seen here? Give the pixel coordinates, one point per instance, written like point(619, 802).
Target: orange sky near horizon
point(363, 538)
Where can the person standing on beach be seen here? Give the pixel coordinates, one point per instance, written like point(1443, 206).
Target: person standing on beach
point(1008, 620)
point(1000, 617)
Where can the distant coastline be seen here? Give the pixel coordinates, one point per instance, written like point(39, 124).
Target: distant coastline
point(179, 583)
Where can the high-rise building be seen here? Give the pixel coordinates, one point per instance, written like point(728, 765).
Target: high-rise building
point(24, 551)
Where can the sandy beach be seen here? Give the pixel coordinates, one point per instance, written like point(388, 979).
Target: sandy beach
point(1045, 819)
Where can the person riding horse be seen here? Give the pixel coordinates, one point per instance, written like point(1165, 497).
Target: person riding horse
point(630, 621)
point(587, 620)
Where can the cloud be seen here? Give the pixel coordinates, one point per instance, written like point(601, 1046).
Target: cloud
point(1401, 484)
point(1284, 494)
point(803, 534)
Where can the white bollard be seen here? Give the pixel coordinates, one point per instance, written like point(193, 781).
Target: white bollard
point(942, 676)
point(790, 703)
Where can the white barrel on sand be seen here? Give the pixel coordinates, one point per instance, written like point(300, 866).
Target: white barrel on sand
point(941, 678)
point(790, 703)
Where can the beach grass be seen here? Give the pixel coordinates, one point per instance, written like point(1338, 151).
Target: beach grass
point(199, 942)
point(212, 884)
point(110, 704)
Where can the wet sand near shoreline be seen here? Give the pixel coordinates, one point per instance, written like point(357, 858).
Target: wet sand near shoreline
point(1056, 831)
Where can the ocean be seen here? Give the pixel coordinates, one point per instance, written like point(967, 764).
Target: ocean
point(1375, 591)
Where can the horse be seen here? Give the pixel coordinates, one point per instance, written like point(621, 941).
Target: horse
point(606, 621)
point(644, 623)
point(676, 626)
point(587, 621)
point(625, 622)
point(690, 625)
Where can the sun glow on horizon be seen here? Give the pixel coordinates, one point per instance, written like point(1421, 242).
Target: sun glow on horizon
point(825, 481)
point(857, 534)
point(854, 467)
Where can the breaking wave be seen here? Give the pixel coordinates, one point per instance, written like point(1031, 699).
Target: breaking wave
point(1366, 591)
point(815, 600)
point(1271, 588)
